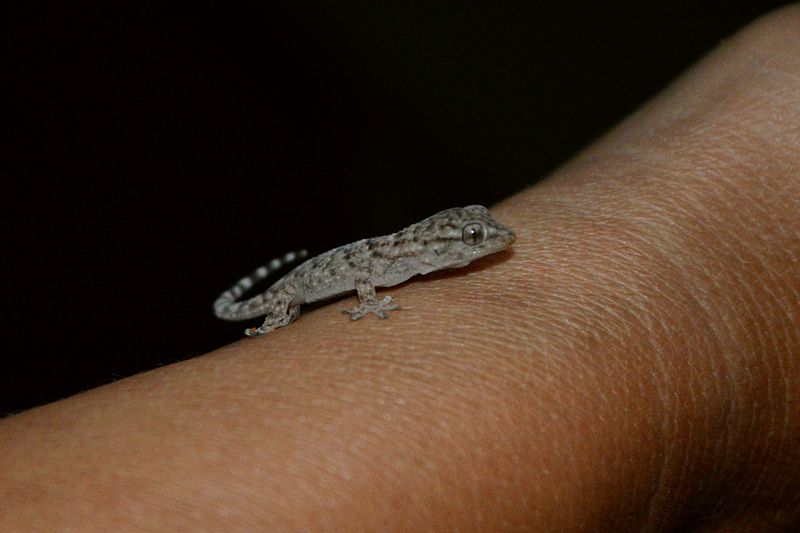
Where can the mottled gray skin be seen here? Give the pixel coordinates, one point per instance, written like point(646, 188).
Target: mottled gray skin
point(450, 239)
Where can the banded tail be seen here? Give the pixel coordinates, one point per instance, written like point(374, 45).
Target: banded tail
point(227, 307)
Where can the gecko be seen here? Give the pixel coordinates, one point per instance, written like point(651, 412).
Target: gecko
point(452, 238)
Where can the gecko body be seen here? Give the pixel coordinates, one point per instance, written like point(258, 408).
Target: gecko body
point(449, 239)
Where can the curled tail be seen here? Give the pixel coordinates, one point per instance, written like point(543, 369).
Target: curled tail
point(227, 307)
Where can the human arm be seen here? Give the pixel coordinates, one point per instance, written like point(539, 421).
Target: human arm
point(632, 363)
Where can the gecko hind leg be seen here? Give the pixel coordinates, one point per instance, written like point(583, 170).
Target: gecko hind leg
point(274, 321)
point(369, 303)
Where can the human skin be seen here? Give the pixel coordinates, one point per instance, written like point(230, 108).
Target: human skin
point(632, 363)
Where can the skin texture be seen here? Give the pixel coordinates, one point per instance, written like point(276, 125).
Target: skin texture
point(631, 364)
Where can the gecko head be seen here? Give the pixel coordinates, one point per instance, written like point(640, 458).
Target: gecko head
point(455, 237)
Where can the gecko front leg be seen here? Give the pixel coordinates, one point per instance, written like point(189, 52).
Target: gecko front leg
point(369, 303)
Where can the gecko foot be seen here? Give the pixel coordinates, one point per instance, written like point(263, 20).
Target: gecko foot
point(257, 332)
point(379, 307)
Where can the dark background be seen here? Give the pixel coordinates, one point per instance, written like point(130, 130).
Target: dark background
point(159, 153)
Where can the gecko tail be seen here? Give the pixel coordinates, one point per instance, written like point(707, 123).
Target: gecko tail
point(227, 306)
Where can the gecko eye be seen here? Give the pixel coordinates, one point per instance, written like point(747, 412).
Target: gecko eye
point(473, 234)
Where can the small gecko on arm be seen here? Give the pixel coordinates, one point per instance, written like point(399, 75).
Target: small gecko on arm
point(450, 239)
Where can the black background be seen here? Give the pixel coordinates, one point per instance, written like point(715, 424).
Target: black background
point(158, 152)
